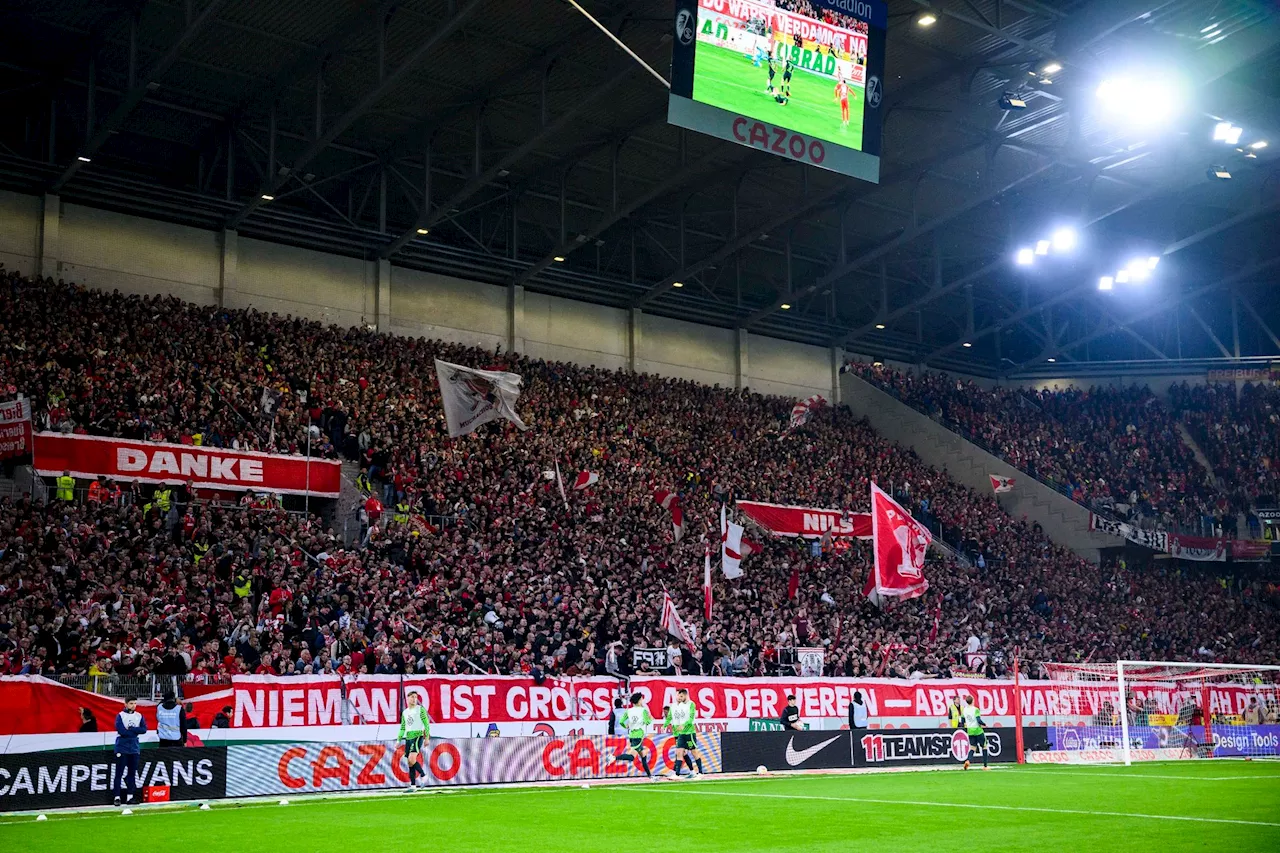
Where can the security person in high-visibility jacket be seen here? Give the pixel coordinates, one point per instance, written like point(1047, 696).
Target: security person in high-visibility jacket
point(954, 713)
point(66, 487)
point(243, 587)
point(163, 499)
point(401, 515)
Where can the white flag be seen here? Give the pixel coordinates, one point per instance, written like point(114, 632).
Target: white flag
point(473, 397)
point(672, 623)
point(730, 547)
point(560, 483)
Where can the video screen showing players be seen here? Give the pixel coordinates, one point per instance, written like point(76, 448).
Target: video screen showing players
point(788, 62)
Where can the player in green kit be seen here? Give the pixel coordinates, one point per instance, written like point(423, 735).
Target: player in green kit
point(415, 729)
point(681, 717)
point(636, 720)
point(973, 728)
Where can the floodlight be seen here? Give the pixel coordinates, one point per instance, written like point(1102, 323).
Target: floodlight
point(926, 19)
point(424, 231)
point(84, 159)
point(1225, 131)
point(1150, 100)
point(268, 197)
point(1219, 173)
point(559, 259)
point(1138, 269)
point(1025, 257)
point(785, 306)
point(1259, 145)
point(1051, 68)
point(1106, 282)
point(966, 345)
point(1042, 247)
point(677, 284)
point(1010, 101)
point(1064, 239)
point(1153, 262)
point(879, 325)
point(1122, 277)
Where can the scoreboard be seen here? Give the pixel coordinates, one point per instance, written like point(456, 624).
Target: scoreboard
point(802, 79)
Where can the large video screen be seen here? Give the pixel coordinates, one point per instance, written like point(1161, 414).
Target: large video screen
point(802, 79)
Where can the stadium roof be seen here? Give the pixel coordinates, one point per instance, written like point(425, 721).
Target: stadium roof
point(516, 132)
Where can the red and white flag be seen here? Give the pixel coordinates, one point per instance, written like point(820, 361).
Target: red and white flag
point(803, 410)
point(706, 583)
point(1001, 484)
point(899, 543)
point(585, 479)
point(670, 501)
point(672, 623)
point(734, 547)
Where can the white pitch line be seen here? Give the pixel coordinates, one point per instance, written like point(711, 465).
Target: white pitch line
point(976, 806)
point(1120, 775)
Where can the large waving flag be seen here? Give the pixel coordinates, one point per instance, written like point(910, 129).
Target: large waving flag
point(670, 501)
point(803, 410)
point(899, 543)
point(474, 397)
point(672, 623)
point(584, 480)
point(733, 547)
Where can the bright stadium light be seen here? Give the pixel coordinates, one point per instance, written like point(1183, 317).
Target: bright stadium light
point(1138, 269)
point(880, 326)
point(424, 231)
point(1042, 247)
point(1122, 277)
point(926, 19)
point(1153, 262)
point(786, 306)
point(1225, 131)
point(966, 345)
point(1064, 239)
point(1051, 68)
point(1106, 283)
point(677, 284)
point(1025, 257)
point(1053, 361)
point(1142, 101)
point(1259, 145)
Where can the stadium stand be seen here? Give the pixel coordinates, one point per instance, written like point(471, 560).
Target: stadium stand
point(1115, 450)
point(519, 583)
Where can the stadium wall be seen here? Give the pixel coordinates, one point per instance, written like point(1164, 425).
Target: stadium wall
point(110, 251)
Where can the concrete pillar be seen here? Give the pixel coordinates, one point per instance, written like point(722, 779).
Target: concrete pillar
point(837, 359)
point(229, 270)
point(742, 371)
point(515, 318)
point(383, 295)
point(634, 319)
point(48, 256)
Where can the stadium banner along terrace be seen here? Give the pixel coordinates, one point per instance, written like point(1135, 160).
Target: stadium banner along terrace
point(804, 521)
point(261, 702)
point(805, 86)
point(88, 457)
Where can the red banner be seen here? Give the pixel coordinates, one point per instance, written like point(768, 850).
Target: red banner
point(900, 543)
point(34, 705)
point(805, 521)
point(15, 429)
point(1250, 549)
point(87, 457)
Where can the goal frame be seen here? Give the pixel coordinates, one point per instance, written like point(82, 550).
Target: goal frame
point(1122, 693)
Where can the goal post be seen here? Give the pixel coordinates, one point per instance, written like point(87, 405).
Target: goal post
point(1133, 710)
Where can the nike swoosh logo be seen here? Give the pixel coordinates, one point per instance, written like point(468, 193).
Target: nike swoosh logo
point(795, 757)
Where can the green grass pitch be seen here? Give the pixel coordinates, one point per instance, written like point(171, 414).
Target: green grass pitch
point(727, 79)
point(1161, 808)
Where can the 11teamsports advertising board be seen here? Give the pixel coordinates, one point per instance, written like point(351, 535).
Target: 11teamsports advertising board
point(801, 79)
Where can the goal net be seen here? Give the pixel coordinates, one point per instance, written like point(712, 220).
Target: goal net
point(1151, 710)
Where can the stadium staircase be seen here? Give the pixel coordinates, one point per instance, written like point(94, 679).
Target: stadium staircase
point(1242, 520)
point(349, 502)
point(1063, 520)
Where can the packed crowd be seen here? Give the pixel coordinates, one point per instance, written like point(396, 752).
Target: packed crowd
point(519, 583)
point(1240, 436)
point(1116, 450)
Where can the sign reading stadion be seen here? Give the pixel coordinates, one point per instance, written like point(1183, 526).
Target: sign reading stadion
point(87, 457)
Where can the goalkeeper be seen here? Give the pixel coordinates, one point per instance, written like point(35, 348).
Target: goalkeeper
point(415, 729)
point(636, 720)
point(973, 728)
point(681, 718)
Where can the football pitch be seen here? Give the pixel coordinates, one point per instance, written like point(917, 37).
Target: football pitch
point(727, 79)
point(1167, 807)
